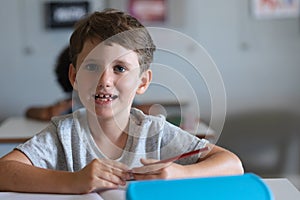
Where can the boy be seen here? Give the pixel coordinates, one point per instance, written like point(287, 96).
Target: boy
point(107, 143)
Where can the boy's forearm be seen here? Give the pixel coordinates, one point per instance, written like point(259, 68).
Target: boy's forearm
point(20, 177)
point(218, 163)
point(39, 113)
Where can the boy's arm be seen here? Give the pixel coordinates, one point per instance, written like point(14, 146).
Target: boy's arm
point(47, 112)
point(18, 174)
point(217, 162)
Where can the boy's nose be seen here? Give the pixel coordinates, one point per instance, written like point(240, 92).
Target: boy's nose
point(105, 79)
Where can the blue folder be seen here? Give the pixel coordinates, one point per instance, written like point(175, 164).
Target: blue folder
point(241, 187)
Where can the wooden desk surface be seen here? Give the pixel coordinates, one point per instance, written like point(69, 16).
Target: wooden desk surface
point(19, 129)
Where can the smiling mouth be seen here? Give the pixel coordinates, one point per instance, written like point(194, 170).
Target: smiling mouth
point(105, 97)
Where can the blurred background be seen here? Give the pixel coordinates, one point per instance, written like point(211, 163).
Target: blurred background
point(257, 54)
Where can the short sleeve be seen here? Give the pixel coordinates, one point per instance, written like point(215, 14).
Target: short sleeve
point(45, 149)
point(176, 141)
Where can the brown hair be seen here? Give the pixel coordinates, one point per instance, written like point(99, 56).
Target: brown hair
point(113, 26)
point(62, 70)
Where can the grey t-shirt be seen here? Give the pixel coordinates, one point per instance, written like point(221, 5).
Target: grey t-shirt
point(67, 143)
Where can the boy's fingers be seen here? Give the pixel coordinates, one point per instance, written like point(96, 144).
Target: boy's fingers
point(149, 169)
point(148, 161)
point(115, 164)
point(113, 178)
point(115, 168)
point(103, 184)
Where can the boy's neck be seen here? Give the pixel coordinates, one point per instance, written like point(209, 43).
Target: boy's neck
point(110, 135)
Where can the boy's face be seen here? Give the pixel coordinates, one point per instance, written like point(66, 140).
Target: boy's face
point(107, 78)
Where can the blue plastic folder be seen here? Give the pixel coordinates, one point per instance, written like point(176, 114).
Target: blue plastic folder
point(247, 186)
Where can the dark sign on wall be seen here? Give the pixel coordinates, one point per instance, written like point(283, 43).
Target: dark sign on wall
point(65, 14)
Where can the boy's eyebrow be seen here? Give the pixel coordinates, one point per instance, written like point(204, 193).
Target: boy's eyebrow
point(122, 62)
point(90, 60)
point(125, 61)
point(118, 60)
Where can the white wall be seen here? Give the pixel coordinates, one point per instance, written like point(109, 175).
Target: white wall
point(258, 59)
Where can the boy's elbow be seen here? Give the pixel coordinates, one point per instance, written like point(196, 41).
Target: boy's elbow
point(236, 165)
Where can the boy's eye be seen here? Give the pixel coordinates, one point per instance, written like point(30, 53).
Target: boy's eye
point(92, 67)
point(119, 68)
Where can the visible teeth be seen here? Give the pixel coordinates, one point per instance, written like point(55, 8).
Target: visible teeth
point(104, 96)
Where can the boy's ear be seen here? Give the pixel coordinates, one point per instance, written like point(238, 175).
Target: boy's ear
point(72, 76)
point(146, 78)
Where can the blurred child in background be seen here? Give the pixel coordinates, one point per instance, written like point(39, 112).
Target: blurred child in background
point(45, 113)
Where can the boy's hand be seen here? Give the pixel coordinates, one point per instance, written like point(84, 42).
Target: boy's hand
point(101, 174)
point(157, 171)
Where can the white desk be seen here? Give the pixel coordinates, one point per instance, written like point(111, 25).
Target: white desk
point(282, 189)
point(16, 130)
point(19, 129)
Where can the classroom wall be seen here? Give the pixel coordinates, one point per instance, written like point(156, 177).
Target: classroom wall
point(258, 59)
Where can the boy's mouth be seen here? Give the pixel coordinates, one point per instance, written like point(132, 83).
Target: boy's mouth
point(105, 97)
